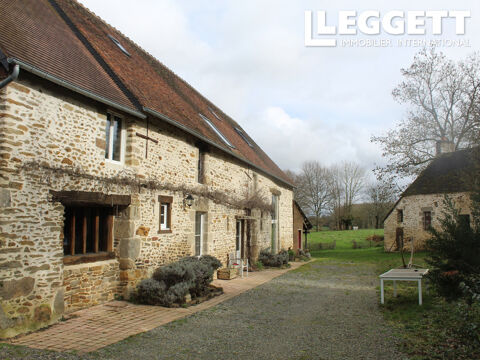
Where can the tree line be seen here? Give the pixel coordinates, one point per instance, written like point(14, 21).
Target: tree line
point(330, 194)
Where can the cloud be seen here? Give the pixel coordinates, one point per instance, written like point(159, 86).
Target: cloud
point(248, 57)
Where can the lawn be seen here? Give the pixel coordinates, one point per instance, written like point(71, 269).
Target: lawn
point(430, 331)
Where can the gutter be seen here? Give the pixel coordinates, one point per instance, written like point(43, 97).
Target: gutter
point(12, 77)
point(210, 142)
point(70, 86)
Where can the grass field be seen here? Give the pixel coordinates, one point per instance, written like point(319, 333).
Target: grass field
point(425, 331)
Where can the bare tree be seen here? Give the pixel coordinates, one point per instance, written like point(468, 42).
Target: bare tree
point(381, 197)
point(443, 98)
point(346, 182)
point(313, 189)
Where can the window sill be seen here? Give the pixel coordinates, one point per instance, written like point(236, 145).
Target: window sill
point(165, 231)
point(87, 258)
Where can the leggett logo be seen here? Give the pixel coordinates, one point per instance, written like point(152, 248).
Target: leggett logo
point(372, 22)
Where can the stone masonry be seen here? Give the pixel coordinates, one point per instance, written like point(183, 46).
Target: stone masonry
point(413, 208)
point(52, 139)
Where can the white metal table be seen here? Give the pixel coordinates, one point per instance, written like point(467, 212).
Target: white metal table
point(402, 275)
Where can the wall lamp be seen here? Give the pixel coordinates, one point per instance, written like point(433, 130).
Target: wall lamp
point(188, 201)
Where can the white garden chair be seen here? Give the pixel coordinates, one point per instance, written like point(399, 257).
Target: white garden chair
point(238, 263)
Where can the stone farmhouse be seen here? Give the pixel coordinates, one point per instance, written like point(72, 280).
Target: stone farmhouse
point(111, 165)
point(421, 206)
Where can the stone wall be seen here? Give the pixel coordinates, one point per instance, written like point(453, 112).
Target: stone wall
point(52, 139)
point(90, 284)
point(412, 225)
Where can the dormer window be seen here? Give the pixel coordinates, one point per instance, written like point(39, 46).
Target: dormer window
point(214, 128)
point(244, 137)
point(120, 46)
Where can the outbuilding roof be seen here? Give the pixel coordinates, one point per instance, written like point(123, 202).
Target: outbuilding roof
point(66, 40)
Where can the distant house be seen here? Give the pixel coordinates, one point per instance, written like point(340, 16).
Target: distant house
point(111, 165)
point(301, 224)
point(452, 173)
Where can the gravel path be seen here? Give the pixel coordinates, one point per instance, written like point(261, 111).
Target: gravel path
point(320, 311)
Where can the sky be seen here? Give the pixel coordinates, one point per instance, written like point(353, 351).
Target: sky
point(298, 103)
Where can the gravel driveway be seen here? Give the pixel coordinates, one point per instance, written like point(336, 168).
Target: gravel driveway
point(319, 311)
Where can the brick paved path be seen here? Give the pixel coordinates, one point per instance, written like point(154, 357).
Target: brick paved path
point(98, 326)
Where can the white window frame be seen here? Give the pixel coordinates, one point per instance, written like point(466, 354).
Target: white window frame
point(123, 139)
point(201, 235)
point(164, 224)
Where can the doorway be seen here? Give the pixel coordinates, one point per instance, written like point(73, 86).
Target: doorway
point(299, 238)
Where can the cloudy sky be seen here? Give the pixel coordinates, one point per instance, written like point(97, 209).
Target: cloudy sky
point(249, 58)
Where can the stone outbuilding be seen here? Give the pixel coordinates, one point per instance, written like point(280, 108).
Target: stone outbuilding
point(301, 226)
point(421, 206)
point(111, 165)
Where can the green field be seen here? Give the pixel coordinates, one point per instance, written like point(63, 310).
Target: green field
point(426, 332)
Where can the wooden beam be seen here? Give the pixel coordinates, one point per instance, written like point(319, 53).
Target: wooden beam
point(110, 232)
point(72, 233)
point(90, 198)
point(96, 231)
point(146, 137)
point(84, 232)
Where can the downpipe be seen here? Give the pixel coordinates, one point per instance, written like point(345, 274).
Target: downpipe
point(12, 77)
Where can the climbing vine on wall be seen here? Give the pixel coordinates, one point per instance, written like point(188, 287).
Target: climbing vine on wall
point(249, 199)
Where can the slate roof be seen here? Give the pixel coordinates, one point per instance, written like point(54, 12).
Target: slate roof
point(64, 38)
point(454, 172)
point(449, 173)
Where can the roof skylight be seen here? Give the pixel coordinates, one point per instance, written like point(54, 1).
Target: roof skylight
point(120, 46)
point(214, 128)
point(244, 137)
point(214, 114)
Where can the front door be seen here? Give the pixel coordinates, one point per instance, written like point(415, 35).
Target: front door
point(299, 239)
point(199, 224)
point(399, 238)
point(239, 239)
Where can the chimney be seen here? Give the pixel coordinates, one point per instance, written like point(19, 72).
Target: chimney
point(445, 146)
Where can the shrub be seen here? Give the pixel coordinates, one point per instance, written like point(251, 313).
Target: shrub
point(170, 284)
point(151, 292)
point(259, 265)
point(454, 251)
point(291, 255)
point(273, 260)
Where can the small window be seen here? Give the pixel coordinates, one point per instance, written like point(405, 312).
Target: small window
point(120, 46)
point(244, 137)
point(400, 216)
point(274, 232)
point(201, 167)
point(113, 138)
point(165, 214)
point(213, 127)
point(215, 114)
point(427, 220)
point(87, 230)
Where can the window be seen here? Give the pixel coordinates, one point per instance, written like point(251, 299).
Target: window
point(201, 166)
point(213, 127)
point(400, 216)
point(199, 224)
point(244, 137)
point(165, 214)
point(214, 114)
point(120, 46)
point(427, 220)
point(274, 223)
point(114, 138)
point(87, 231)
point(465, 220)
